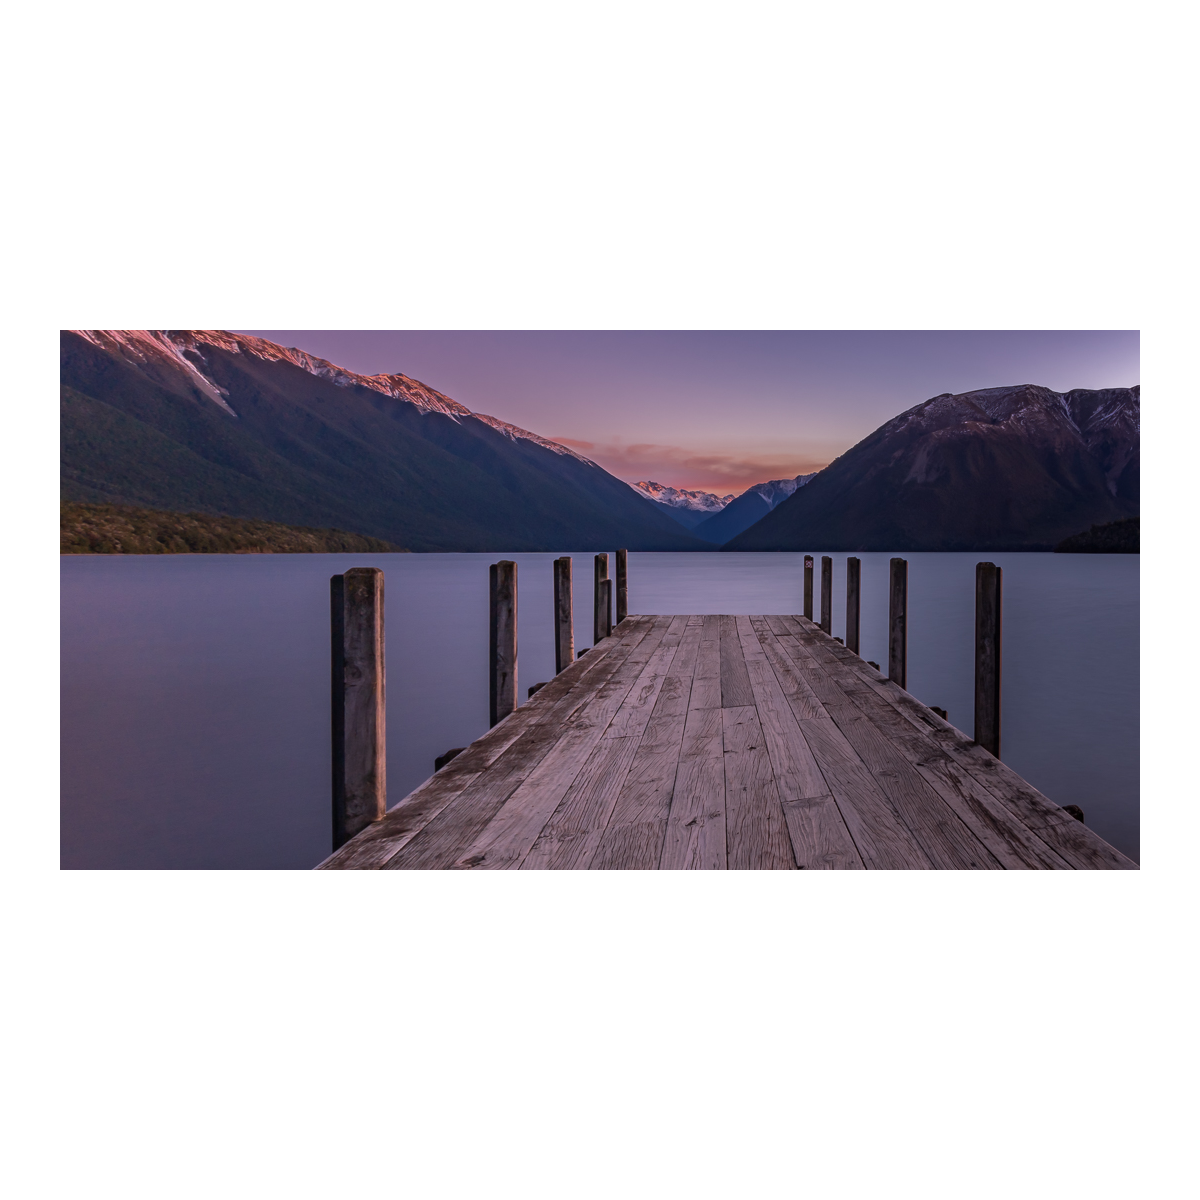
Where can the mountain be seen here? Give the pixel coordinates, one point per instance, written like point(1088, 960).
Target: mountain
point(212, 422)
point(688, 508)
point(751, 506)
point(1004, 468)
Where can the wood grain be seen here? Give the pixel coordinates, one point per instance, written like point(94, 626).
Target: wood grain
point(695, 835)
point(756, 830)
point(645, 800)
point(514, 825)
point(735, 682)
point(359, 702)
point(376, 846)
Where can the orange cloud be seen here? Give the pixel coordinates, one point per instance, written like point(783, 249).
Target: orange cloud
point(681, 467)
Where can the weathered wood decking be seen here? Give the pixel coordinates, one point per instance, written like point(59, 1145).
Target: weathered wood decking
point(722, 742)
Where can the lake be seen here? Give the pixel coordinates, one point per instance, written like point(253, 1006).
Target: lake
point(195, 688)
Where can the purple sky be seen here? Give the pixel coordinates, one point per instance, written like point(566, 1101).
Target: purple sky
point(718, 411)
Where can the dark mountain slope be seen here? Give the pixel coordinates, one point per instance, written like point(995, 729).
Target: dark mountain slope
point(1012, 468)
point(211, 422)
point(751, 506)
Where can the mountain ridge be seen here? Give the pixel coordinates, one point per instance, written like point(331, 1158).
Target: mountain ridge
point(1018, 467)
point(224, 424)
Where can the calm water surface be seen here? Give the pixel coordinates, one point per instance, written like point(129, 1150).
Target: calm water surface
point(195, 688)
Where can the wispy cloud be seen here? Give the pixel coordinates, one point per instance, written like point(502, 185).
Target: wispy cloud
point(686, 467)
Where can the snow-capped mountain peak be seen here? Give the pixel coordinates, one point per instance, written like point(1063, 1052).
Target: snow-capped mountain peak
point(775, 491)
point(704, 502)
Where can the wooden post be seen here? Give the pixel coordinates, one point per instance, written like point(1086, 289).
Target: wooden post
point(898, 623)
point(988, 611)
point(853, 593)
point(358, 696)
point(827, 594)
point(808, 586)
point(622, 585)
point(606, 595)
point(598, 622)
point(564, 616)
point(503, 641)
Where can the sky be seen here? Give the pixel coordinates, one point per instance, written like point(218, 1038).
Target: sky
point(718, 411)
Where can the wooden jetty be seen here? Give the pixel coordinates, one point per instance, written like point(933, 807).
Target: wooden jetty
point(725, 742)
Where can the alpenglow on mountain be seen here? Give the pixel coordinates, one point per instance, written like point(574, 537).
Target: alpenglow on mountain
point(214, 422)
point(1003, 468)
point(689, 508)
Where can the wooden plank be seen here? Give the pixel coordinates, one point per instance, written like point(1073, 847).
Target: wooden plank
point(645, 800)
point(820, 839)
point(883, 841)
point(571, 835)
point(735, 682)
point(695, 838)
point(634, 714)
point(377, 844)
point(949, 842)
point(1074, 842)
point(756, 830)
point(441, 841)
point(800, 697)
point(706, 682)
point(635, 847)
point(1010, 842)
point(569, 839)
point(513, 827)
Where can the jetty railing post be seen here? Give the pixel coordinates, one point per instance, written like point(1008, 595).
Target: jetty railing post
point(826, 594)
point(898, 623)
point(606, 595)
point(808, 586)
point(358, 701)
point(988, 614)
point(598, 614)
point(564, 616)
point(622, 585)
point(502, 685)
point(853, 593)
